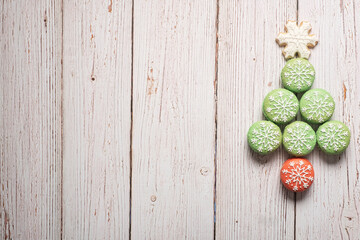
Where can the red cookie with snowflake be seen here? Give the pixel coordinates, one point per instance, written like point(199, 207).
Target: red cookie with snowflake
point(297, 174)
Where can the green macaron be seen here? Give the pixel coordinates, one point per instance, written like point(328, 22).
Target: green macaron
point(299, 138)
point(317, 106)
point(264, 137)
point(280, 106)
point(298, 75)
point(333, 137)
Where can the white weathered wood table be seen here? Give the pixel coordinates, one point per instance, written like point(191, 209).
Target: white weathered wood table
point(128, 119)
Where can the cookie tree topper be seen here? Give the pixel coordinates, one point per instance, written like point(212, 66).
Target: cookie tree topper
point(297, 39)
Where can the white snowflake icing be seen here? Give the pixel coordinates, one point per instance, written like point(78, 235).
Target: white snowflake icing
point(320, 106)
point(297, 40)
point(265, 137)
point(298, 174)
point(299, 138)
point(283, 107)
point(333, 136)
point(299, 74)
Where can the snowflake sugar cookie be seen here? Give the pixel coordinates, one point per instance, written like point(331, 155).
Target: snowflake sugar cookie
point(297, 39)
point(297, 174)
point(264, 137)
point(298, 75)
point(317, 106)
point(333, 137)
point(280, 106)
point(299, 138)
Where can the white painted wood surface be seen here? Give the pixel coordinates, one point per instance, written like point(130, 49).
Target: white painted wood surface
point(30, 119)
point(112, 114)
point(173, 120)
point(331, 208)
point(251, 202)
point(97, 119)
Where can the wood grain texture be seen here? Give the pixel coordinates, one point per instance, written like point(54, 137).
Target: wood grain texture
point(66, 156)
point(331, 208)
point(30, 119)
point(173, 119)
point(251, 202)
point(97, 119)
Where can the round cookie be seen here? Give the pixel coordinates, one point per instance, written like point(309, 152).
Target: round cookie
point(317, 106)
point(280, 106)
point(333, 137)
point(299, 138)
point(264, 137)
point(298, 75)
point(297, 174)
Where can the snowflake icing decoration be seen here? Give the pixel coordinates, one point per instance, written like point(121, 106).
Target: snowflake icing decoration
point(297, 39)
point(299, 174)
point(333, 137)
point(282, 107)
point(265, 137)
point(298, 138)
point(299, 74)
point(318, 107)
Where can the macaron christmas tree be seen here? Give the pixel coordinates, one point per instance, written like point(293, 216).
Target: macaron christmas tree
point(281, 106)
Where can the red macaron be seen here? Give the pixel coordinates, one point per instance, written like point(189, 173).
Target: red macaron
point(297, 174)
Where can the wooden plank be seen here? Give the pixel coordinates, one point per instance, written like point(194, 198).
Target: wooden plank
point(30, 119)
point(173, 119)
point(330, 209)
point(97, 119)
point(251, 203)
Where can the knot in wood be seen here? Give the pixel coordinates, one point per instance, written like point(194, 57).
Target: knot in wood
point(204, 171)
point(153, 198)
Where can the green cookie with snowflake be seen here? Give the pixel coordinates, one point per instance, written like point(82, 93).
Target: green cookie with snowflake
point(264, 137)
point(317, 106)
point(299, 138)
point(333, 137)
point(298, 75)
point(280, 106)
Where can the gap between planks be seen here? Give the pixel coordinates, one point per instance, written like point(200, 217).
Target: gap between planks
point(216, 106)
point(131, 112)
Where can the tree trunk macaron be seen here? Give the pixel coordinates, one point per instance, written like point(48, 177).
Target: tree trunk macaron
point(297, 174)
